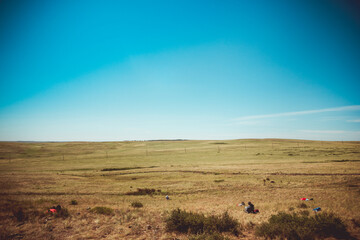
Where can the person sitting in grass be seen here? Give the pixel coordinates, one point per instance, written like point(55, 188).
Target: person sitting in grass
point(250, 208)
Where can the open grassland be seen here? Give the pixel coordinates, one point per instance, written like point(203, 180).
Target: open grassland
point(208, 177)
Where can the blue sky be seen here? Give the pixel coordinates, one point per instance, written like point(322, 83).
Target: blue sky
point(137, 70)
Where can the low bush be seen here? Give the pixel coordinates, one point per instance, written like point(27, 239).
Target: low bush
point(102, 210)
point(143, 191)
point(294, 226)
point(137, 204)
point(196, 223)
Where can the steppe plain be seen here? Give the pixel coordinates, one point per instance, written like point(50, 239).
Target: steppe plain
point(208, 177)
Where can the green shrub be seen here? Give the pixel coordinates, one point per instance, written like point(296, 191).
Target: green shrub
point(220, 180)
point(196, 223)
point(136, 204)
point(293, 226)
point(73, 202)
point(143, 191)
point(102, 210)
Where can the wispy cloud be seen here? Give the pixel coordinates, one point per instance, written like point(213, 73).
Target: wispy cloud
point(338, 109)
point(325, 131)
point(355, 120)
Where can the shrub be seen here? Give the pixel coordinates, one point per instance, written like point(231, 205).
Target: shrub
point(293, 226)
point(73, 202)
point(102, 210)
point(136, 204)
point(143, 191)
point(196, 223)
point(220, 180)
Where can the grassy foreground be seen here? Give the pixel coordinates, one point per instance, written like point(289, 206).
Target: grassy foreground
point(128, 181)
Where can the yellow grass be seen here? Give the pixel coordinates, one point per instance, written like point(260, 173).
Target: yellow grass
point(201, 176)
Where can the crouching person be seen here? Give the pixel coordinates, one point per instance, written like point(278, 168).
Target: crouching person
point(250, 208)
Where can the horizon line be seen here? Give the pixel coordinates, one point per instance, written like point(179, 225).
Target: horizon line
point(154, 140)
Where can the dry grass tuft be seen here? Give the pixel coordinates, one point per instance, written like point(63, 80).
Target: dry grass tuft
point(137, 204)
point(102, 210)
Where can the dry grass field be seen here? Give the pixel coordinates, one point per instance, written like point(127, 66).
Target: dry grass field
point(209, 177)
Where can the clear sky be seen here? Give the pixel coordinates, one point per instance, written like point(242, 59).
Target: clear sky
point(137, 70)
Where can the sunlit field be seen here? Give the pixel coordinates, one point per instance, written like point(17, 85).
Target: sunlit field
point(209, 177)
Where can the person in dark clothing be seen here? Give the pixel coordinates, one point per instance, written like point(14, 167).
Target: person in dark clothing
point(250, 208)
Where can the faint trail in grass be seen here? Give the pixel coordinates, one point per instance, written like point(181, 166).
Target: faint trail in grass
point(316, 174)
point(125, 168)
point(238, 173)
point(56, 194)
point(331, 161)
